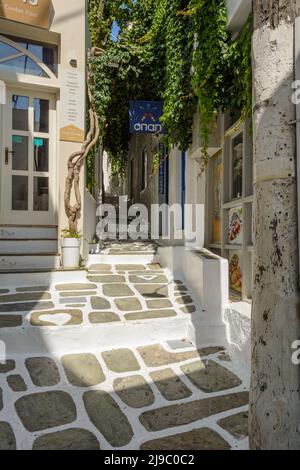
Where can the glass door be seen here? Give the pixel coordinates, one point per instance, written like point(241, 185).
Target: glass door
point(28, 163)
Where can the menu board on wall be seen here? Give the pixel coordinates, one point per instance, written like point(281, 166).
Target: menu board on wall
point(32, 12)
point(235, 234)
point(72, 106)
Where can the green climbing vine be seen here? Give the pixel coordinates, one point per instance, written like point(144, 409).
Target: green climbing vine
point(177, 51)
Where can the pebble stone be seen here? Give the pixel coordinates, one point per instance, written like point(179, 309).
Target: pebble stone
point(107, 417)
point(69, 439)
point(210, 376)
point(170, 385)
point(134, 391)
point(99, 303)
point(236, 425)
point(103, 317)
point(198, 439)
point(83, 370)
point(7, 437)
point(16, 383)
point(186, 413)
point(43, 371)
point(45, 410)
point(120, 360)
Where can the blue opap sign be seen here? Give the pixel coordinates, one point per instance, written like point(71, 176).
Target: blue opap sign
point(145, 117)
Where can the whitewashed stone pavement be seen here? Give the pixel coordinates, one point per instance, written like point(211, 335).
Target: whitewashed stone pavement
point(159, 396)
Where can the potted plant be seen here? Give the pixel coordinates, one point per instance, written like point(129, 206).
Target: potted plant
point(70, 247)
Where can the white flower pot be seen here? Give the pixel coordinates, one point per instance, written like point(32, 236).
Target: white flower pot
point(70, 248)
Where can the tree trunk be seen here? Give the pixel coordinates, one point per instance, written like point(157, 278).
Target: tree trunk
point(77, 159)
point(275, 380)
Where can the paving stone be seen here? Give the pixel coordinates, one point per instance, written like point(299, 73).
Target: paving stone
point(107, 417)
point(1, 399)
point(184, 300)
point(33, 289)
point(25, 297)
point(148, 279)
point(69, 300)
point(179, 344)
point(210, 350)
point(10, 321)
point(189, 309)
point(107, 279)
point(134, 391)
point(7, 437)
point(159, 303)
point(120, 360)
point(75, 305)
point(144, 273)
point(16, 383)
point(154, 266)
point(128, 305)
point(236, 425)
point(7, 367)
point(103, 317)
point(154, 291)
point(45, 410)
point(43, 371)
point(97, 273)
point(129, 252)
point(186, 413)
point(83, 370)
point(56, 318)
point(117, 290)
point(198, 439)
point(210, 376)
point(150, 314)
point(156, 356)
point(100, 303)
point(77, 294)
point(224, 357)
point(73, 299)
point(170, 385)
point(69, 439)
point(180, 288)
point(26, 307)
point(73, 287)
point(100, 267)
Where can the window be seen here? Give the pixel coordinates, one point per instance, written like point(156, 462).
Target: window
point(144, 170)
point(230, 206)
point(14, 57)
point(46, 53)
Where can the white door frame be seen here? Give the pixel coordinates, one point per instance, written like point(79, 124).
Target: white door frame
point(30, 217)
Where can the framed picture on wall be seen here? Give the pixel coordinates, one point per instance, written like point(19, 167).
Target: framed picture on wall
point(235, 232)
point(236, 271)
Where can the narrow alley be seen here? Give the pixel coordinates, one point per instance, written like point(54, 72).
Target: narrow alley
point(134, 380)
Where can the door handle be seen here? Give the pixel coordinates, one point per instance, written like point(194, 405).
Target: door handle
point(7, 152)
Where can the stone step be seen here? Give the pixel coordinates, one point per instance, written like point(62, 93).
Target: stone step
point(21, 232)
point(120, 258)
point(13, 261)
point(28, 246)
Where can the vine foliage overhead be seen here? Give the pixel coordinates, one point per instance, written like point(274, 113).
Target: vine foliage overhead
point(177, 51)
